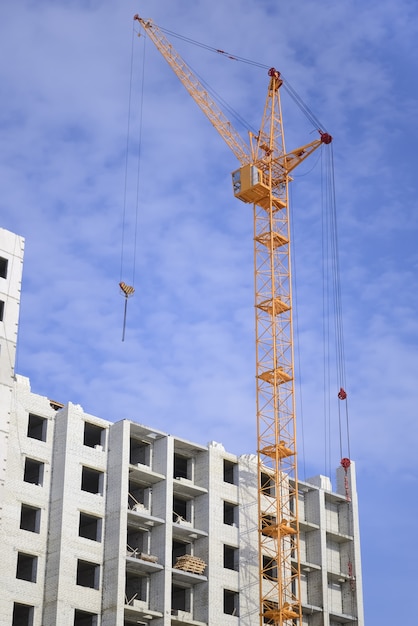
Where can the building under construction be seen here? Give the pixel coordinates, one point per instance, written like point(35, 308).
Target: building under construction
point(111, 524)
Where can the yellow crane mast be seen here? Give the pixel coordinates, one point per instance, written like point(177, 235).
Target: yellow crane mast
point(262, 180)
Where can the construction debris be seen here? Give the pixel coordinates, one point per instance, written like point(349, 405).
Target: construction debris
point(189, 563)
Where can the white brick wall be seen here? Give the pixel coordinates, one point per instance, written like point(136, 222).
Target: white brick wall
point(326, 548)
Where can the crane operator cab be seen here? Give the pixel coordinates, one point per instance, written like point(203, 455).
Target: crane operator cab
point(250, 186)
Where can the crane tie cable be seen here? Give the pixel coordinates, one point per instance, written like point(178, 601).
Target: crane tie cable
point(233, 57)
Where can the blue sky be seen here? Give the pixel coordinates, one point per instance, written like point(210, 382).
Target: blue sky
point(187, 364)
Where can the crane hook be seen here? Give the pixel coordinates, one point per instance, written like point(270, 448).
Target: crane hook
point(127, 291)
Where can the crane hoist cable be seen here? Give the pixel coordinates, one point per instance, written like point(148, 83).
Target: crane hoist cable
point(126, 289)
point(332, 283)
point(333, 338)
point(332, 309)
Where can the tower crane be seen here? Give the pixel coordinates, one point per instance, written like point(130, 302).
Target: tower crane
point(262, 180)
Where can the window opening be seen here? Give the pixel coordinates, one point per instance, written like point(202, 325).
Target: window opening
point(37, 427)
point(181, 466)
point(92, 480)
point(26, 567)
point(94, 435)
point(269, 568)
point(1, 310)
point(230, 472)
point(272, 609)
point(22, 614)
point(88, 574)
point(34, 471)
point(267, 484)
point(292, 502)
point(268, 525)
point(90, 527)
point(30, 518)
point(230, 514)
point(3, 267)
point(303, 579)
point(231, 560)
point(83, 618)
point(231, 602)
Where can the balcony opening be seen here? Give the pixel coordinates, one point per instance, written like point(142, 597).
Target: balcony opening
point(22, 614)
point(27, 565)
point(92, 481)
point(231, 602)
point(94, 436)
point(181, 466)
point(140, 452)
point(230, 472)
point(180, 548)
point(90, 527)
point(30, 518)
point(231, 558)
point(88, 574)
point(136, 588)
point(230, 514)
point(182, 510)
point(138, 542)
point(83, 618)
point(139, 497)
point(37, 427)
point(180, 598)
point(34, 472)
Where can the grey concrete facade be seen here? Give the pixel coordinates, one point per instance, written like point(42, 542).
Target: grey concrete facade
point(113, 524)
